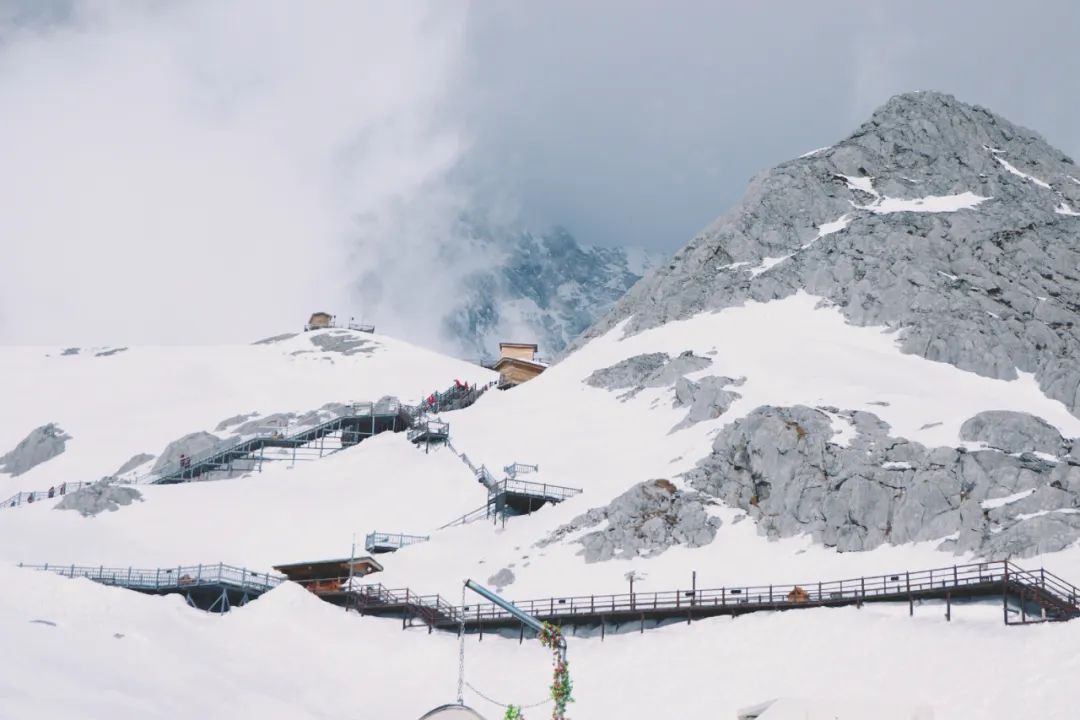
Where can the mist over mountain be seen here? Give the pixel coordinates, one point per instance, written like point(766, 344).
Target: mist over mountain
point(537, 287)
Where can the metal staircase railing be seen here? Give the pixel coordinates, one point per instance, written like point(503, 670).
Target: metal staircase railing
point(29, 498)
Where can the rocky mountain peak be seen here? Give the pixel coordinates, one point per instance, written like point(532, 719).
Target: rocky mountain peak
point(935, 218)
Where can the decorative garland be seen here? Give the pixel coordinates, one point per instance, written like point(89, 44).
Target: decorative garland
point(562, 687)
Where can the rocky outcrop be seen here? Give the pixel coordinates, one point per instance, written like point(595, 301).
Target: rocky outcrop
point(1013, 432)
point(344, 342)
point(134, 462)
point(645, 520)
point(650, 370)
point(191, 445)
point(783, 467)
point(629, 373)
point(936, 219)
point(42, 444)
point(707, 398)
point(99, 497)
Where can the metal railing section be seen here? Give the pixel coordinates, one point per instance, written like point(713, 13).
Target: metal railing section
point(29, 498)
point(394, 541)
point(181, 576)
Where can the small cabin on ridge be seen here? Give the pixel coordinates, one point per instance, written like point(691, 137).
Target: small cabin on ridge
point(328, 577)
point(517, 364)
point(319, 321)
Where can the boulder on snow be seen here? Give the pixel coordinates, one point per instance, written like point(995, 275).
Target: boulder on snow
point(650, 370)
point(134, 462)
point(42, 444)
point(645, 520)
point(190, 445)
point(99, 497)
point(1012, 432)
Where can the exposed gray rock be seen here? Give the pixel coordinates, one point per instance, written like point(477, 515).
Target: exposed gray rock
point(544, 286)
point(650, 370)
point(684, 364)
point(275, 339)
point(262, 424)
point(503, 578)
point(992, 289)
point(781, 466)
point(345, 342)
point(386, 405)
point(645, 520)
point(110, 351)
point(42, 444)
point(134, 462)
point(70, 351)
point(1013, 432)
point(707, 398)
point(191, 445)
point(629, 373)
point(99, 497)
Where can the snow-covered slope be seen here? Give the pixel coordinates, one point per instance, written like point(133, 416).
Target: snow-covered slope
point(117, 403)
point(790, 432)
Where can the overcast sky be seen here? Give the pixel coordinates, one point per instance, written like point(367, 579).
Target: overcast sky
point(164, 165)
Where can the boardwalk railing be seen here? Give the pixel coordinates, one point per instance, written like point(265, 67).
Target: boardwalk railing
point(388, 542)
point(555, 493)
point(1057, 598)
point(181, 576)
point(28, 498)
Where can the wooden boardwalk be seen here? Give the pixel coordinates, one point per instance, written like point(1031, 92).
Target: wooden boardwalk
point(1025, 596)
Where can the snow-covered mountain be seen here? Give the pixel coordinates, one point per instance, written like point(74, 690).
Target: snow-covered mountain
point(859, 370)
point(545, 288)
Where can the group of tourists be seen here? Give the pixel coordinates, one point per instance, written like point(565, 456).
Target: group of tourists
point(52, 492)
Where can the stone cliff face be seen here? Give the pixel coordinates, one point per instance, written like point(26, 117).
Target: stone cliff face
point(955, 229)
point(541, 288)
point(936, 218)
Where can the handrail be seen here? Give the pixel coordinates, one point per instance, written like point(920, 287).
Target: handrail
point(171, 577)
point(484, 511)
point(545, 490)
point(33, 496)
point(896, 586)
point(392, 540)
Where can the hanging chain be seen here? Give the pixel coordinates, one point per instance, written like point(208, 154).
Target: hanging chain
point(493, 701)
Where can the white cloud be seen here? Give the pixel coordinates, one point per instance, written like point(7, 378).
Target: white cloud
point(202, 171)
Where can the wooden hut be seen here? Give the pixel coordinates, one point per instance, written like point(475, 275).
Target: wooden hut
point(319, 320)
point(517, 364)
point(328, 577)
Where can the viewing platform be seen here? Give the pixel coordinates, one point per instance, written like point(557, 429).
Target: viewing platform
point(378, 543)
point(214, 588)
